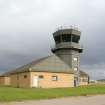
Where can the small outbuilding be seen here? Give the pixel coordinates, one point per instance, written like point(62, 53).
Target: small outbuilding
point(84, 78)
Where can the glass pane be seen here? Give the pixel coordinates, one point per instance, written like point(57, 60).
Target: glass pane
point(57, 39)
point(54, 78)
point(66, 38)
point(75, 38)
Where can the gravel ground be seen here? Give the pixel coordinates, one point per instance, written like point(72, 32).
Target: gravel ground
point(86, 100)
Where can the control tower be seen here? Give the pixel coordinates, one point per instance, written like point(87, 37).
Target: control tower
point(68, 49)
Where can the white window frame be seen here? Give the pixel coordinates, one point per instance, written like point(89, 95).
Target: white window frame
point(75, 68)
point(54, 78)
point(75, 59)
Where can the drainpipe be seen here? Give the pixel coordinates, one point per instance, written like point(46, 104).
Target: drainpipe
point(17, 80)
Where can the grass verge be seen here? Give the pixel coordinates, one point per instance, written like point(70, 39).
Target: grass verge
point(8, 94)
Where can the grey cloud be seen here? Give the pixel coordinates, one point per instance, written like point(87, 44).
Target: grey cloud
point(96, 71)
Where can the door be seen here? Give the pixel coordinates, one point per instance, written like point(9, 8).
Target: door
point(75, 83)
point(35, 81)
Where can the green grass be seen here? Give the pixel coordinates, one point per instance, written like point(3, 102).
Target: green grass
point(18, 94)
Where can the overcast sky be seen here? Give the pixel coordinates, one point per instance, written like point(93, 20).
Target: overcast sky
point(26, 28)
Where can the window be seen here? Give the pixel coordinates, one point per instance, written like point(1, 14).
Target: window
point(75, 59)
point(41, 77)
point(66, 38)
point(75, 69)
point(54, 78)
point(57, 39)
point(25, 76)
point(75, 38)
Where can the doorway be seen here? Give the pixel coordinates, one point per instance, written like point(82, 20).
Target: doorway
point(75, 83)
point(35, 81)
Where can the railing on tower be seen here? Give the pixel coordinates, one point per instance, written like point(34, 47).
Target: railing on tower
point(75, 27)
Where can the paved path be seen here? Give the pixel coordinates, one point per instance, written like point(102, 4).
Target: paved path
point(89, 100)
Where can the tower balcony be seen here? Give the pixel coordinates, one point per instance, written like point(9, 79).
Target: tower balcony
point(68, 45)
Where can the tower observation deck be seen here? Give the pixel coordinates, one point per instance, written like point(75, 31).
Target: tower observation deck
point(67, 39)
